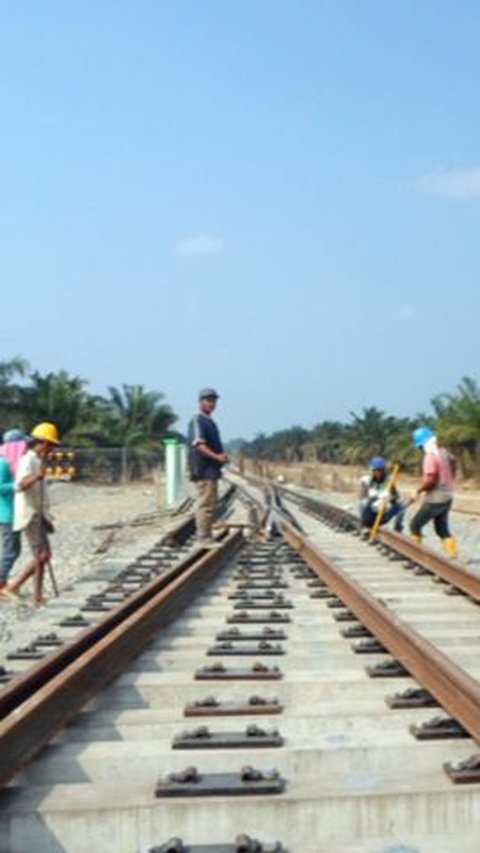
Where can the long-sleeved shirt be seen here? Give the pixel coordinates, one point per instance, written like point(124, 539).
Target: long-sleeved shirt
point(7, 491)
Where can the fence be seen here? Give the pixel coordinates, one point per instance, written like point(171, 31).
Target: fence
point(104, 464)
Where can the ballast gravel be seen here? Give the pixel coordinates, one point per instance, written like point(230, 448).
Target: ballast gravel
point(92, 524)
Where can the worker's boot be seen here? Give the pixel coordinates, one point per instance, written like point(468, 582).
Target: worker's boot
point(450, 546)
point(417, 538)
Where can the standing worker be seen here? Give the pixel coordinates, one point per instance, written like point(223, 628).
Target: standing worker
point(206, 457)
point(32, 511)
point(13, 447)
point(437, 487)
point(375, 489)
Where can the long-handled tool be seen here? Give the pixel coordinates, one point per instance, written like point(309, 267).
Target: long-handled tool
point(384, 503)
point(52, 579)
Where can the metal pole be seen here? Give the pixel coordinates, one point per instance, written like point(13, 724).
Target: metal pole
point(53, 579)
point(124, 465)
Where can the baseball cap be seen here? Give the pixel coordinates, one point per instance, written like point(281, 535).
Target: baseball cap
point(208, 392)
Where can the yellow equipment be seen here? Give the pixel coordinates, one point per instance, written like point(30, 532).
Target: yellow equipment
point(384, 504)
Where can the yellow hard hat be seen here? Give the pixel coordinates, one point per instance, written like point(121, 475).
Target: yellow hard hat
point(46, 432)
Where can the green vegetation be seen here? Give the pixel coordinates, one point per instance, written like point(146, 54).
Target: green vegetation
point(455, 418)
point(127, 417)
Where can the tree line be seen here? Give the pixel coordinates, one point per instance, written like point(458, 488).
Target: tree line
point(129, 416)
point(455, 417)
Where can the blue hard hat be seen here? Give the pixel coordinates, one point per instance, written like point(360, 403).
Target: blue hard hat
point(378, 463)
point(14, 435)
point(421, 435)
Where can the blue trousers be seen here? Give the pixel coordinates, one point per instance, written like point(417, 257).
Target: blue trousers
point(11, 545)
point(396, 510)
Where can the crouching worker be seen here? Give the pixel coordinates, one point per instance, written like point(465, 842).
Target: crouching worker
point(374, 491)
point(438, 471)
point(32, 511)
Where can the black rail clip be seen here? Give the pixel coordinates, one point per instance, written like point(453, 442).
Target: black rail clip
point(369, 646)
point(258, 618)
point(387, 669)
point(344, 616)
point(30, 652)
point(467, 771)
point(414, 697)
point(355, 631)
point(325, 593)
point(48, 640)
point(262, 648)
point(77, 621)
point(242, 844)
point(222, 673)
point(438, 728)
point(191, 783)
point(203, 738)
point(210, 707)
point(335, 603)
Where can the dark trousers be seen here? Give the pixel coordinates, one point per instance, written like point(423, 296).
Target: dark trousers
point(438, 513)
point(10, 550)
point(396, 510)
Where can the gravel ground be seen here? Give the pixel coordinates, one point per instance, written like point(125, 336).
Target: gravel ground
point(91, 523)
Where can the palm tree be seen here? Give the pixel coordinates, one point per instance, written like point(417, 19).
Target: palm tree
point(459, 419)
point(136, 417)
point(55, 397)
point(327, 440)
point(10, 409)
point(368, 435)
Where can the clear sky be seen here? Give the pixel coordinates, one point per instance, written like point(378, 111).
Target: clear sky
point(280, 198)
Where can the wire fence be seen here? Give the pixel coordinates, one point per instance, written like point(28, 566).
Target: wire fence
point(105, 464)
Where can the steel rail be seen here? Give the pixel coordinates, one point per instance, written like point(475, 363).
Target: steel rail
point(447, 569)
point(456, 691)
point(31, 724)
point(450, 571)
point(24, 684)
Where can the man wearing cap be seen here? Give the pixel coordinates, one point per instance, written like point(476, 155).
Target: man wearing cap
point(374, 491)
point(32, 511)
point(206, 458)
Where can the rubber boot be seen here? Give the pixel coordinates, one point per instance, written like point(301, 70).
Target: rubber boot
point(450, 546)
point(417, 538)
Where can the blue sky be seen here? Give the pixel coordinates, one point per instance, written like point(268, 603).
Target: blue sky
point(279, 198)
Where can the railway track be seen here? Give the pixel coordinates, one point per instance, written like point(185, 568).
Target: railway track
point(251, 707)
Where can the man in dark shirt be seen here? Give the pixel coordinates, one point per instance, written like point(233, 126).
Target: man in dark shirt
point(206, 456)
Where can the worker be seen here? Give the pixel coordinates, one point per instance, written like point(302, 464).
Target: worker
point(374, 490)
point(438, 469)
point(13, 447)
point(206, 459)
point(32, 511)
